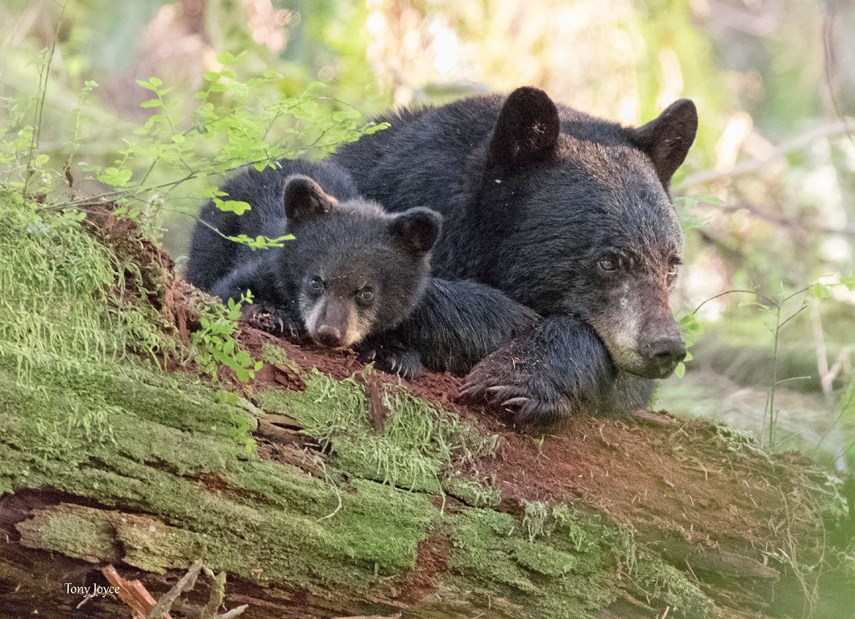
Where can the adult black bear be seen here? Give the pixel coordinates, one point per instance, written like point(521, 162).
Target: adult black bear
point(565, 213)
point(352, 271)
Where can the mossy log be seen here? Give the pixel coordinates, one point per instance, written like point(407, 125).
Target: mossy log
point(323, 489)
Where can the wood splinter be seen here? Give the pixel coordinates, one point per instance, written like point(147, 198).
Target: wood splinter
point(143, 605)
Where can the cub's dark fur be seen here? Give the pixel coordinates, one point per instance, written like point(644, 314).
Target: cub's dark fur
point(352, 270)
point(564, 213)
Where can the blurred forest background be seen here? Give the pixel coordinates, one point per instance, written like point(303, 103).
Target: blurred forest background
point(767, 195)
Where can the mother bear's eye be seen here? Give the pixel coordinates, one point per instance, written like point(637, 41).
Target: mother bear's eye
point(607, 264)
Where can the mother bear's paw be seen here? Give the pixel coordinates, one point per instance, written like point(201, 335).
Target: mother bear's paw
point(506, 380)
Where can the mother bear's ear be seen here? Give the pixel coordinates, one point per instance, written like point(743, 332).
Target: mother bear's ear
point(527, 129)
point(667, 139)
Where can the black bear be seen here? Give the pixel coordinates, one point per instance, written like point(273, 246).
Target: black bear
point(352, 270)
point(568, 215)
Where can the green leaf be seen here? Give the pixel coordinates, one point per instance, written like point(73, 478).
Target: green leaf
point(691, 329)
point(151, 103)
point(115, 177)
point(848, 281)
point(227, 397)
point(374, 128)
point(226, 58)
point(819, 291)
point(152, 84)
point(232, 206)
point(343, 115)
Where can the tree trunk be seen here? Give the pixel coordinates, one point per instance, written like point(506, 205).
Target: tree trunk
point(324, 489)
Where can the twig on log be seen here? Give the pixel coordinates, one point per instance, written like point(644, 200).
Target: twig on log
point(234, 612)
point(376, 405)
point(131, 592)
point(379, 410)
point(143, 606)
point(187, 582)
point(215, 598)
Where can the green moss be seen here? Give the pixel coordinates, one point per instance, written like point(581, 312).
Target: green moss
point(61, 292)
point(654, 579)
point(97, 535)
point(277, 356)
point(303, 530)
point(472, 490)
point(543, 559)
point(483, 548)
point(418, 445)
point(82, 416)
point(534, 519)
point(555, 576)
point(75, 531)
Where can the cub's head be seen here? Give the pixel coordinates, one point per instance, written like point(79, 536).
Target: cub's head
point(580, 221)
point(354, 269)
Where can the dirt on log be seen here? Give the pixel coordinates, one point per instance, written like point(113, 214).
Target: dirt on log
point(323, 489)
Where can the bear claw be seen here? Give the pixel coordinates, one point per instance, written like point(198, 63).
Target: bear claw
point(520, 402)
point(272, 320)
point(392, 359)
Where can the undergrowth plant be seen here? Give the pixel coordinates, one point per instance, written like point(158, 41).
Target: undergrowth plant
point(235, 123)
point(782, 311)
point(216, 346)
point(175, 161)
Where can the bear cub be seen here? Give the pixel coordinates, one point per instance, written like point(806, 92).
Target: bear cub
point(351, 271)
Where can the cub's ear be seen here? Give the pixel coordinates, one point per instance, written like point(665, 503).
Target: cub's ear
point(667, 139)
point(527, 129)
point(416, 229)
point(305, 199)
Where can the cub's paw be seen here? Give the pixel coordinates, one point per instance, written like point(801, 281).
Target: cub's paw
point(516, 386)
point(392, 358)
point(273, 320)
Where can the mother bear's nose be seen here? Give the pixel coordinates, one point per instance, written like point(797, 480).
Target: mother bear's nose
point(665, 351)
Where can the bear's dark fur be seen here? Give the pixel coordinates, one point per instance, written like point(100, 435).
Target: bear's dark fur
point(456, 324)
point(568, 215)
point(352, 270)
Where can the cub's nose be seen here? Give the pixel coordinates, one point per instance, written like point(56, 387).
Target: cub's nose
point(666, 352)
point(328, 336)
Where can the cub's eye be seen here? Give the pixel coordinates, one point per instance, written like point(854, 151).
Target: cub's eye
point(673, 270)
point(366, 295)
point(316, 284)
point(607, 264)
